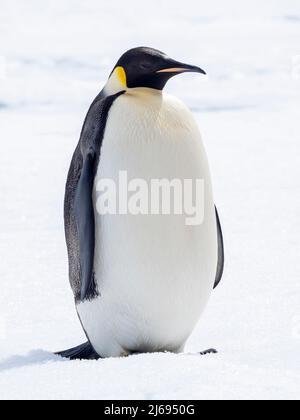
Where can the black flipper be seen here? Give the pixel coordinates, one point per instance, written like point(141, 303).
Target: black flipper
point(85, 221)
point(83, 352)
point(221, 254)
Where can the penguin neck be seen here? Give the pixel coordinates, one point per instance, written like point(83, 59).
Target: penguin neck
point(144, 92)
point(148, 101)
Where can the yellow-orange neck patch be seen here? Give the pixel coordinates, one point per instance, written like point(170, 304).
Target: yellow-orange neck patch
point(121, 75)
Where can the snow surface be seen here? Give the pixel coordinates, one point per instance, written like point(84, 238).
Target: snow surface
point(55, 57)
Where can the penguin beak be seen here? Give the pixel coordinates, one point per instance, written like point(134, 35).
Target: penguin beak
point(175, 67)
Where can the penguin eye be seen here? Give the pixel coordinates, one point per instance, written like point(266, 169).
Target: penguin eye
point(145, 66)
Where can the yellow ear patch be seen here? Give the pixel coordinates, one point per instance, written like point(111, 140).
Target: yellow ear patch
point(121, 75)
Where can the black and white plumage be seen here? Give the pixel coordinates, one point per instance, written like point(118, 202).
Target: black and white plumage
point(79, 209)
point(140, 283)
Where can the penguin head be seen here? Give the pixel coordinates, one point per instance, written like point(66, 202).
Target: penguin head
point(147, 68)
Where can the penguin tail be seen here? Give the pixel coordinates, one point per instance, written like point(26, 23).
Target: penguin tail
point(83, 352)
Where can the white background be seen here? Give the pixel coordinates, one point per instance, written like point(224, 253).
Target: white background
point(55, 57)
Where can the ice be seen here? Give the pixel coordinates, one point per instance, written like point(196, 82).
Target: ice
point(55, 57)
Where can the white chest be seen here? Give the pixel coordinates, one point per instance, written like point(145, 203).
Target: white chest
point(154, 273)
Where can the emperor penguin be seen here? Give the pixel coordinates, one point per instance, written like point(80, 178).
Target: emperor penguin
point(140, 282)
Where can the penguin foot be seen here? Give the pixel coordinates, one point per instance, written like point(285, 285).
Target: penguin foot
point(209, 351)
point(83, 352)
